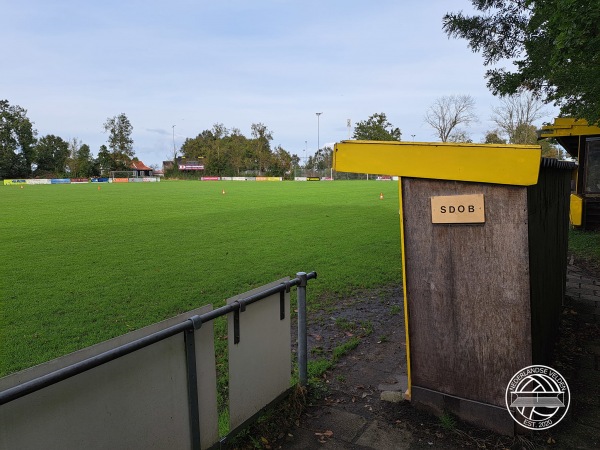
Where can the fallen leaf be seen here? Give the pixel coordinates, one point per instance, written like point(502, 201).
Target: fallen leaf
point(327, 433)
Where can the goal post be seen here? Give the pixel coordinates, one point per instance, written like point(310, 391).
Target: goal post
point(123, 174)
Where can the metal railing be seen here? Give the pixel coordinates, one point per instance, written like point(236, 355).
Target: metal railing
point(187, 327)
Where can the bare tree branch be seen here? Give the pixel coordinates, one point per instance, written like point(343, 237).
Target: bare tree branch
point(516, 112)
point(449, 112)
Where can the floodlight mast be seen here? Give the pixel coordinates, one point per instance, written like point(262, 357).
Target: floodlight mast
point(318, 130)
point(174, 151)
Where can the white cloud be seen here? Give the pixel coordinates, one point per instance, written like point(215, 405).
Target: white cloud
point(195, 63)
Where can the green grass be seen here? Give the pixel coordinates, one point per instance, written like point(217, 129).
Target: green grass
point(82, 265)
point(585, 244)
point(345, 348)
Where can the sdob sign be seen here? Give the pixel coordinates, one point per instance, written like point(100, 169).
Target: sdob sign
point(457, 209)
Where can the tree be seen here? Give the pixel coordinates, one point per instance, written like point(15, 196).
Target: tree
point(238, 150)
point(448, 112)
point(120, 141)
point(321, 160)
point(80, 162)
point(494, 137)
point(104, 161)
point(281, 162)
point(51, 154)
point(460, 136)
point(526, 134)
point(516, 113)
point(17, 140)
point(376, 128)
point(554, 46)
point(262, 138)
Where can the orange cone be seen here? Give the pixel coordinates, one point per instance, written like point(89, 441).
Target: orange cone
point(98, 187)
point(381, 196)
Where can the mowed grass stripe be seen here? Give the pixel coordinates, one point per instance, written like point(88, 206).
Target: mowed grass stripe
point(82, 265)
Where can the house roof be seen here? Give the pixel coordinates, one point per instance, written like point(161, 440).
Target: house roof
point(139, 165)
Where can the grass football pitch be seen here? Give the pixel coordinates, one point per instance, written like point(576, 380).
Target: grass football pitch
point(84, 263)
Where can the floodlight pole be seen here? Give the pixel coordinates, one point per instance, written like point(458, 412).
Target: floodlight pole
point(174, 151)
point(305, 156)
point(318, 130)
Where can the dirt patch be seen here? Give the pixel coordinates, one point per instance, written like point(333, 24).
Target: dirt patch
point(355, 382)
point(378, 363)
point(373, 319)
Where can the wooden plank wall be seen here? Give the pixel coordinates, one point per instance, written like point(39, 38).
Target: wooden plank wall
point(468, 291)
point(548, 218)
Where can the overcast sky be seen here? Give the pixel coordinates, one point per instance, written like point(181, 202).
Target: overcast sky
point(72, 64)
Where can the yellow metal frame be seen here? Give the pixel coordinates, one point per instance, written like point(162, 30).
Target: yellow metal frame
point(568, 126)
point(487, 163)
point(576, 210)
point(408, 373)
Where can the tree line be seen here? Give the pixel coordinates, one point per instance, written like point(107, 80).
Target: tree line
point(23, 154)
point(227, 152)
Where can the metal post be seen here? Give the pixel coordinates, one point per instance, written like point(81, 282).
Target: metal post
point(318, 130)
point(302, 337)
point(174, 151)
point(192, 387)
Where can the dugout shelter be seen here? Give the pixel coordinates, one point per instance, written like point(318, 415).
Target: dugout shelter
point(582, 142)
point(484, 231)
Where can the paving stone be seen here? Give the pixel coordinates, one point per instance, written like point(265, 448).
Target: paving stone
point(392, 396)
point(587, 290)
point(590, 417)
point(303, 439)
point(589, 362)
point(577, 435)
point(593, 347)
point(383, 437)
point(345, 425)
point(576, 302)
point(401, 384)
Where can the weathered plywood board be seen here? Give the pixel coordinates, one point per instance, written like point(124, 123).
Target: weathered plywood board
point(137, 401)
point(467, 290)
point(260, 364)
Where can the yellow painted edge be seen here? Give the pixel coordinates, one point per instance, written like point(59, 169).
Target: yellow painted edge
point(408, 375)
point(577, 170)
point(576, 210)
point(568, 126)
point(486, 163)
